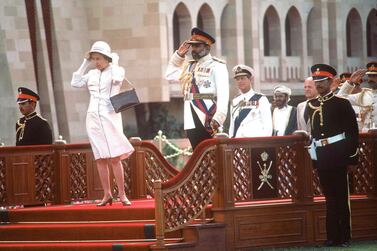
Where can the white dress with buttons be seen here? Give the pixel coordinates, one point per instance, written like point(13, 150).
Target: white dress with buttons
point(103, 124)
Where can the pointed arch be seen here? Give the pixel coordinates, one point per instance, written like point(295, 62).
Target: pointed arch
point(354, 33)
point(293, 32)
point(181, 24)
point(206, 19)
point(228, 33)
point(372, 33)
point(310, 28)
point(271, 32)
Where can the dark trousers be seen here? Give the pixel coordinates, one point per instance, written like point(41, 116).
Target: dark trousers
point(197, 134)
point(334, 185)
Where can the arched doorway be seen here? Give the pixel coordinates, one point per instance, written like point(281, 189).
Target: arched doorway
point(272, 44)
point(181, 24)
point(293, 43)
point(372, 34)
point(354, 33)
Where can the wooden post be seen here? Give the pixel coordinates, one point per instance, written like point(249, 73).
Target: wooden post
point(373, 132)
point(159, 215)
point(304, 170)
point(138, 189)
point(224, 196)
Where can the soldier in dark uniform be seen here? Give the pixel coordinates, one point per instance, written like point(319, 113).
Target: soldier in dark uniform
point(335, 142)
point(31, 129)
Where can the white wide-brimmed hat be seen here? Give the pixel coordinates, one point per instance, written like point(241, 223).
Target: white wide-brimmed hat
point(102, 48)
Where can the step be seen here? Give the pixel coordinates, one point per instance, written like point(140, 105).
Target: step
point(80, 231)
point(139, 210)
point(85, 245)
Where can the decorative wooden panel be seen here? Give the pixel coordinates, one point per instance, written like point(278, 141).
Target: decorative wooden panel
point(44, 177)
point(77, 177)
point(3, 188)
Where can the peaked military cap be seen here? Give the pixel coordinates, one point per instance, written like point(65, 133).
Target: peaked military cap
point(322, 72)
point(198, 36)
point(242, 70)
point(25, 94)
point(372, 68)
point(345, 76)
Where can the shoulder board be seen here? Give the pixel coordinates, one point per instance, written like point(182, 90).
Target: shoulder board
point(219, 60)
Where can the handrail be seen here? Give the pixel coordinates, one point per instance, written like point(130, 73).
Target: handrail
point(63, 173)
point(281, 161)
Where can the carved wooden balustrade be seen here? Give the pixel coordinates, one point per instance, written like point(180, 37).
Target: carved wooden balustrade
point(228, 172)
point(61, 174)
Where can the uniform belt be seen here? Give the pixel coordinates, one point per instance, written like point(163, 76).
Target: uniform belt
point(329, 140)
point(191, 96)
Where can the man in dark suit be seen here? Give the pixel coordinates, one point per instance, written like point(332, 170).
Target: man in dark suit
point(31, 129)
point(335, 144)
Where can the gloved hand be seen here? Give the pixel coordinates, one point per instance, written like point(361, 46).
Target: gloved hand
point(115, 58)
point(84, 66)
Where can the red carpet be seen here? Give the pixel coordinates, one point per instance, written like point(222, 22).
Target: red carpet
point(81, 227)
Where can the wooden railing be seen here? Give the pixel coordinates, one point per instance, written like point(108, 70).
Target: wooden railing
point(60, 174)
point(228, 171)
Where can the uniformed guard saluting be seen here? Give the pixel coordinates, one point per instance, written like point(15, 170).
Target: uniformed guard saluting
point(205, 86)
point(366, 99)
point(250, 114)
point(335, 149)
point(31, 129)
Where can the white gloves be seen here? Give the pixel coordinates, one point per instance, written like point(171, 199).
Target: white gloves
point(84, 66)
point(115, 58)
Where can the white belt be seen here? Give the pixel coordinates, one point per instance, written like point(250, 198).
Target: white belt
point(329, 140)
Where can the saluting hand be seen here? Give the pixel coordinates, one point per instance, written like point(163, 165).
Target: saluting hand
point(357, 76)
point(183, 48)
point(335, 83)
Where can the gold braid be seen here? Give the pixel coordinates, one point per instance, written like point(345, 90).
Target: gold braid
point(186, 78)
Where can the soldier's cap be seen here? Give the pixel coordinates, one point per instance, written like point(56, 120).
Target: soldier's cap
point(345, 76)
point(25, 94)
point(200, 37)
point(372, 68)
point(322, 72)
point(282, 89)
point(243, 70)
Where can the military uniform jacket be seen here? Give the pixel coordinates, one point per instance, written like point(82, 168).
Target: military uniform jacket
point(211, 77)
point(250, 116)
point(366, 100)
point(33, 130)
point(329, 116)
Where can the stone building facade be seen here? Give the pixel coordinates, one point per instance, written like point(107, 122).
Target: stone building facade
point(43, 41)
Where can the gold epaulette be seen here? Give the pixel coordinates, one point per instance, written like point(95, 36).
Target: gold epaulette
point(219, 60)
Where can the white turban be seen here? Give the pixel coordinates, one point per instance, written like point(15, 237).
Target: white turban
point(283, 89)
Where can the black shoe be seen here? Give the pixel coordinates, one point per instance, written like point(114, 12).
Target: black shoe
point(329, 243)
point(345, 244)
point(105, 202)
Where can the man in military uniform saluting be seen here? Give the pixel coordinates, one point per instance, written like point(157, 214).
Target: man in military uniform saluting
point(31, 129)
point(366, 99)
point(250, 114)
point(205, 86)
point(335, 142)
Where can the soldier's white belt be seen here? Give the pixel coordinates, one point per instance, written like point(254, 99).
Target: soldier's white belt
point(329, 140)
point(192, 96)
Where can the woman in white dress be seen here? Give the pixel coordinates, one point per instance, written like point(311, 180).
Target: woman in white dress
point(104, 126)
